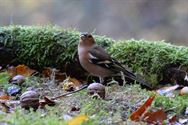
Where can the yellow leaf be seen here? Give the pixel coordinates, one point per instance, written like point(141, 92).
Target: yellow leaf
point(78, 120)
point(71, 84)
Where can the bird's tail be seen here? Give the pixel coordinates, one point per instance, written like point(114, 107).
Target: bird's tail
point(128, 74)
point(134, 77)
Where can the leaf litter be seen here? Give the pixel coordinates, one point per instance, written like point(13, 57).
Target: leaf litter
point(122, 105)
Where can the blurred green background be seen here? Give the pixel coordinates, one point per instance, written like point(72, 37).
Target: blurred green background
point(120, 19)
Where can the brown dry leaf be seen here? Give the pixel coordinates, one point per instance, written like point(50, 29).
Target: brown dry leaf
point(75, 81)
point(173, 119)
point(78, 120)
point(135, 116)
point(46, 101)
point(155, 117)
point(46, 72)
point(21, 70)
point(4, 97)
point(71, 84)
point(24, 70)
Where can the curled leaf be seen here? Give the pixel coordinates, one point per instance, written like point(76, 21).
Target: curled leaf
point(71, 84)
point(155, 117)
point(135, 116)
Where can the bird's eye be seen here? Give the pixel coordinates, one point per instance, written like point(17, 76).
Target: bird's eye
point(89, 36)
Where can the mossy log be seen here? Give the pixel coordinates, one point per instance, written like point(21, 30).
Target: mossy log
point(52, 46)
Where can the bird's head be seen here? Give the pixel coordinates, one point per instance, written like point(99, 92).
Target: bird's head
point(86, 39)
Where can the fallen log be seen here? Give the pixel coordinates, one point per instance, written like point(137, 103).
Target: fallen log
point(52, 46)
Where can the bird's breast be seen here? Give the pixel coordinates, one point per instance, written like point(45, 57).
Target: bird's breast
point(94, 69)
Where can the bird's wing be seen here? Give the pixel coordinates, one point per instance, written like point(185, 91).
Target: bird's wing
point(98, 56)
point(98, 52)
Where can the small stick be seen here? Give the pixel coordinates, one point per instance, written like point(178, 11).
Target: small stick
point(69, 93)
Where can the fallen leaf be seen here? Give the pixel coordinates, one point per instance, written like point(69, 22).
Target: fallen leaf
point(75, 81)
point(135, 116)
point(49, 101)
point(47, 72)
point(46, 101)
point(70, 84)
point(173, 119)
point(78, 120)
point(155, 117)
point(21, 70)
point(4, 97)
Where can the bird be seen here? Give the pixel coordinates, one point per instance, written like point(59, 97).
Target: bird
point(95, 60)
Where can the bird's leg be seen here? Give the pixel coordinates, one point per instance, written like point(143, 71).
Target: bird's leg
point(113, 81)
point(123, 78)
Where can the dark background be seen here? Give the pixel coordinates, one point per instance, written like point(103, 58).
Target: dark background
point(120, 19)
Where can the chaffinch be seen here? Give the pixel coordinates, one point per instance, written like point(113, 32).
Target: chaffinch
point(94, 59)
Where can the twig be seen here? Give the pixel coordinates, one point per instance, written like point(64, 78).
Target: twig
point(69, 93)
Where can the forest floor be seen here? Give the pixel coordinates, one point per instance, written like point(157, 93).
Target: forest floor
point(116, 109)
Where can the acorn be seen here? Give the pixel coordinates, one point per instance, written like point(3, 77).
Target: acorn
point(96, 90)
point(29, 99)
point(18, 80)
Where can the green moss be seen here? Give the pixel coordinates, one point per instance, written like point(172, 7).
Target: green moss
point(40, 47)
point(149, 58)
point(20, 117)
point(4, 78)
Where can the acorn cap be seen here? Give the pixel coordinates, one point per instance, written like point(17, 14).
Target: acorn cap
point(96, 86)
